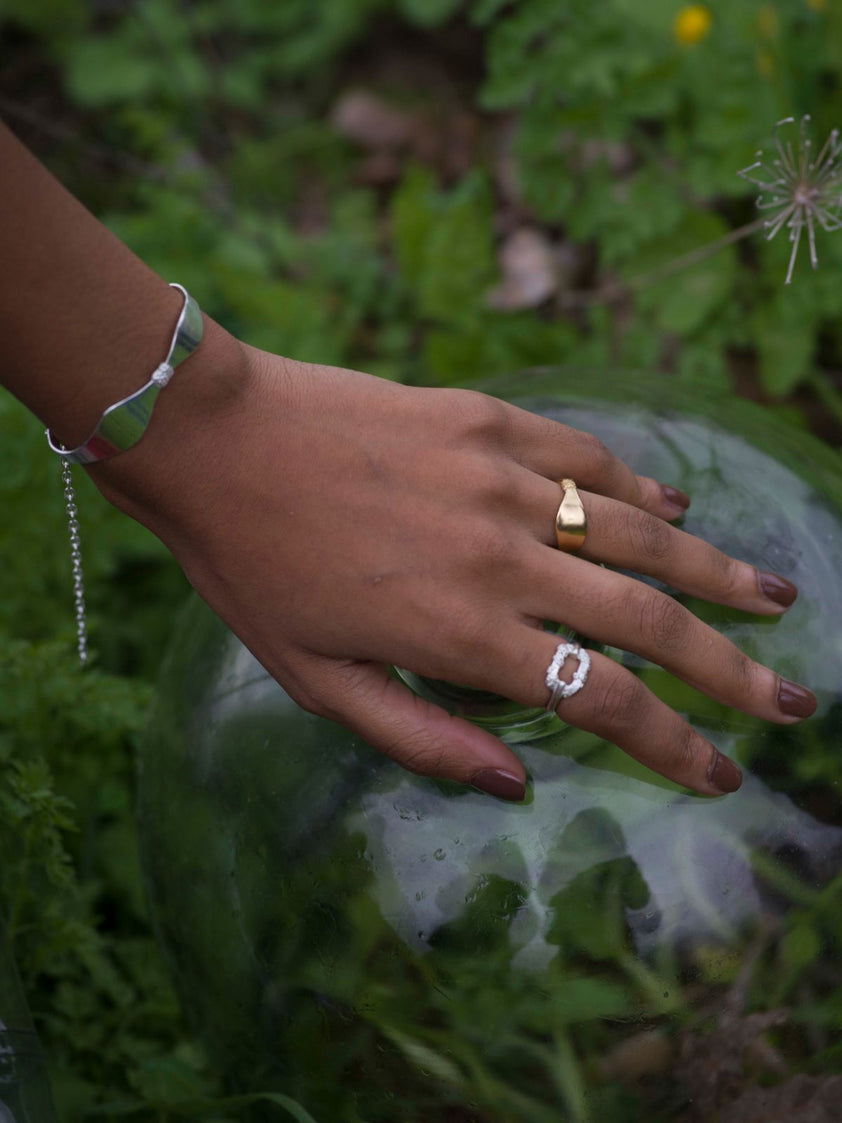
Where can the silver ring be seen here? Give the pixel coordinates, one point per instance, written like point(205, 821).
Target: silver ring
point(559, 689)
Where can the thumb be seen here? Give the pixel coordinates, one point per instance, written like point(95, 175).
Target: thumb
point(420, 736)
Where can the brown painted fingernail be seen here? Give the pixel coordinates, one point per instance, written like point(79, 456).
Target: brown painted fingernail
point(776, 589)
point(494, 781)
point(676, 497)
point(796, 700)
point(725, 776)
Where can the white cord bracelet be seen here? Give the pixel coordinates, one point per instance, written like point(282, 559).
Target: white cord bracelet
point(121, 426)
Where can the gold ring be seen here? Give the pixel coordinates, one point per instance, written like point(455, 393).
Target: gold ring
point(571, 522)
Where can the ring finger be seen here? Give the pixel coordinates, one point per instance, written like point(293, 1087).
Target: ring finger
point(621, 611)
point(616, 705)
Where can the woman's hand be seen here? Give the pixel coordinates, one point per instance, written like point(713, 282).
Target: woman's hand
point(340, 523)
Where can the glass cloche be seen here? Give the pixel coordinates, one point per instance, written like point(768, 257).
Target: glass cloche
point(385, 947)
point(24, 1091)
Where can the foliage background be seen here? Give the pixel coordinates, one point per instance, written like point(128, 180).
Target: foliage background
point(431, 190)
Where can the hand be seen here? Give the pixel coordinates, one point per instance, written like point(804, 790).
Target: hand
point(340, 524)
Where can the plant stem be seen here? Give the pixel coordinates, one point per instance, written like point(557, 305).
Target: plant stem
point(694, 256)
point(615, 290)
point(829, 394)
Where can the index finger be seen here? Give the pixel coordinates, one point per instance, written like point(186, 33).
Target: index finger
point(554, 450)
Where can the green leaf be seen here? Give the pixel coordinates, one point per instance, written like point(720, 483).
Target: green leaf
point(152, 55)
point(413, 212)
point(426, 1059)
point(684, 299)
point(589, 912)
point(800, 947)
point(459, 263)
point(98, 74)
point(166, 1080)
point(429, 13)
point(590, 998)
point(785, 331)
point(445, 245)
point(57, 17)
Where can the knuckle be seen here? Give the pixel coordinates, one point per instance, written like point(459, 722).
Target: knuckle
point(458, 642)
point(323, 690)
point(623, 701)
point(311, 701)
point(471, 642)
point(489, 549)
point(482, 417)
point(600, 458)
point(664, 622)
point(417, 753)
point(730, 574)
point(690, 754)
point(493, 483)
point(744, 674)
point(648, 492)
point(651, 538)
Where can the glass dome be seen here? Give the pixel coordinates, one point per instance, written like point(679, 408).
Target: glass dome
point(24, 1092)
point(382, 946)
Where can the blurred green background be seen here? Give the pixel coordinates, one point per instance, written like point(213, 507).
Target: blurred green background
point(435, 191)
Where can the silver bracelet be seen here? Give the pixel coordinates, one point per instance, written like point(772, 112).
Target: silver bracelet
point(124, 423)
point(121, 426)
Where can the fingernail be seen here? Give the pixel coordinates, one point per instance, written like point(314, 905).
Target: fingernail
point(676, 497)
point(494, 781)
point(776, 589)
point(796, 700)
point(725, 776)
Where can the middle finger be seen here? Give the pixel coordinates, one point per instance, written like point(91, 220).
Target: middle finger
point(627, 537)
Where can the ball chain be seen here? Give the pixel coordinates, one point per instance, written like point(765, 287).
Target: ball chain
point(76, 561)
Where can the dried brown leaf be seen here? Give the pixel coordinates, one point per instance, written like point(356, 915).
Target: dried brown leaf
point(371, 122)
point(645, 1054)
point(712, 1067)
point(803, 1099)
point(529, 270)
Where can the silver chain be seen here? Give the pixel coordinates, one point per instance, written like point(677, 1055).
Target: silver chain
point(76, 560)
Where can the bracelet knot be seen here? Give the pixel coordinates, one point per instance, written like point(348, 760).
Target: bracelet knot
point(163, 374)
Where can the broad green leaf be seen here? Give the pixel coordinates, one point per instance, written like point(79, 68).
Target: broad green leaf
point(784, 331)
point(413, 212)
point(682, 299)
point(459, 262)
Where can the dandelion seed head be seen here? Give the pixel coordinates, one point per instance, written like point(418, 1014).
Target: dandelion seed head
point(799, 190)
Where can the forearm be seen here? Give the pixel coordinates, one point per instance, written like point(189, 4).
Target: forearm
point(84, 321)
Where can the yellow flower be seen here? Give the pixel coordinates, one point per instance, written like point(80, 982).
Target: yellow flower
point(692, 24)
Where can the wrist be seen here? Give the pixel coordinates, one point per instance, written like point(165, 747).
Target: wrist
point(202, 406)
